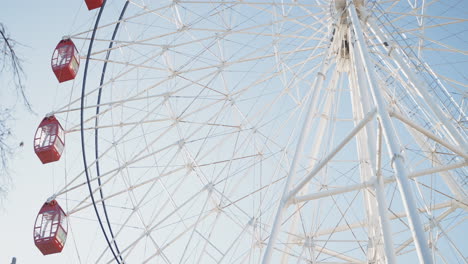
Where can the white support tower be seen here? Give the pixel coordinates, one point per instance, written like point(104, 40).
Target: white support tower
point(352, 59)
point(299, 131)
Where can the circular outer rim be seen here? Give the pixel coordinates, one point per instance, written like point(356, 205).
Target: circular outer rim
point(110, 240)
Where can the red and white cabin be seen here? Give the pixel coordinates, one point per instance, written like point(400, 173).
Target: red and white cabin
point(65, 60)
point(93, 4)
point(50, 229)
point(49, 140)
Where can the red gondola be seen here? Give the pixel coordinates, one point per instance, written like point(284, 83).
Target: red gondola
point(93, 4)
point(65, 60)
point(50, 230)
point(49, 140)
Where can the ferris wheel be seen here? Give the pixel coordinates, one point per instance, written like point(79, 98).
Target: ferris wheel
point(261, 132)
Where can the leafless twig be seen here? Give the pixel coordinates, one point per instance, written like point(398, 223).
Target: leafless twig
point(11, 62)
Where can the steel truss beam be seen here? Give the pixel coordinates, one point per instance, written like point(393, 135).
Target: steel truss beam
point(424, 253)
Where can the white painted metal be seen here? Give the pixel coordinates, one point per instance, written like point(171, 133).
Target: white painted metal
point(424, 254)
point(449, 180)
point(360, 186)
point(422, 89)
point(330, 156)
point(382, 204)
point(335, 82)
point(284, 201)
point(243, 131)
point(455, 149)
point(366, 151)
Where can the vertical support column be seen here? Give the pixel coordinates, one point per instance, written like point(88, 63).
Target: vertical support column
point(362, 102)
point(424, 254)
point(449, 180)
point(421, 89)
point(333, 84)
point(297, 156)
point(382, 214)
point(382, 204)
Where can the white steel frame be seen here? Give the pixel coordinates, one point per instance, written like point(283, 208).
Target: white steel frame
point(386, 129)
point(347, 62)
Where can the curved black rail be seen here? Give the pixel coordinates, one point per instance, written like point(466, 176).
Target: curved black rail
point(117, 255)
point(96, 130)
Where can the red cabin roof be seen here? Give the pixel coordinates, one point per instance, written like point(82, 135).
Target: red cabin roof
point(93, 4)
point(49, 140)
point(65, 60)
point(50, 229)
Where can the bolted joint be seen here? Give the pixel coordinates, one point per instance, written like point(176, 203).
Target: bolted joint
point(309, 242)
point(181, 143)
point(395, 157)
point(209, 187)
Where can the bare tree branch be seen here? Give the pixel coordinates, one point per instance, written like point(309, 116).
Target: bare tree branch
point(11, 62)
point(5, 132)
point(6, 152)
